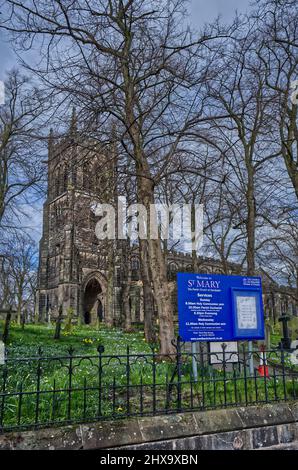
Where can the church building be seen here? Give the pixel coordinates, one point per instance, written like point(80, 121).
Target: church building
point(79, 272)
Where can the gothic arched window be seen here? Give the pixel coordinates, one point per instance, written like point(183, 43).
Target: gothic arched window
point(60, 181)
point(135, 263)
point(135, 266)
point(172, 271)
point(86, 177)
point(205, 270)
point(65, 179)
point(56, 184)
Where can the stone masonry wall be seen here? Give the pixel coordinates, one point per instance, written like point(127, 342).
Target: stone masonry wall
point(256, 427)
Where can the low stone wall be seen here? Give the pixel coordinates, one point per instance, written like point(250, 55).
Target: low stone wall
point(255, 427)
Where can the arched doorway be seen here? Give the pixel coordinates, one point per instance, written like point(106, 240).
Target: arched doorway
point(93, 302)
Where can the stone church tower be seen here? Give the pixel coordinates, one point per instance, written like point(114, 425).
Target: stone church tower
point(76, 270)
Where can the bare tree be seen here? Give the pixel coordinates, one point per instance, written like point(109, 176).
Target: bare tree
point(240, 91)
point(226, 240)
point(278, 25)
point(131, 60)
point(6, 286)
point(21, 169)
point(280, 254)
point(18, 279)
point(126, 290)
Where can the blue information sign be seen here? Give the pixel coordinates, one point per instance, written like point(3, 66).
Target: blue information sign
point(215, 307)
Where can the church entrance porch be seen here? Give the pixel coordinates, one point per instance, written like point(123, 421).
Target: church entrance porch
point(93, 309)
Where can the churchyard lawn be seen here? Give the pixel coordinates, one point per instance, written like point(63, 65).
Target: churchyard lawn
point(84, 339)
point(56, 385)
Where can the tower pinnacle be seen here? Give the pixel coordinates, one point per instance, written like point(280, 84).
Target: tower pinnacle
point(73, 122)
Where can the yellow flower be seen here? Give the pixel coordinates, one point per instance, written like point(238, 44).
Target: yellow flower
point(87, 341)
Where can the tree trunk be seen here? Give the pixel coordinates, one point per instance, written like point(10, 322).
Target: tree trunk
point(19, 310)
point(145, 196)
point(268, 335)
point(125, 297)
point(6, 327)
point(58, 323)
point(127, 312)
point(288, 134)
point(250, 223)
point(194, 254)
point(23, 320)
point(157, 265)
point(68, 323)
point(291, 166)
point(109, 314)
point(148, 303)
point(162, 298)
point(19, 315)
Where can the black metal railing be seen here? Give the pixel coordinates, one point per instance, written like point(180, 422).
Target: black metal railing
point(51, 390)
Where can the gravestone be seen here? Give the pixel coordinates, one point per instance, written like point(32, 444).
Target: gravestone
point(2, 353)
point(285, 342)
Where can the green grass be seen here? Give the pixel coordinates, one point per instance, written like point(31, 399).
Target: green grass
point(51, 375)
point(44, 383)
point(84, 339)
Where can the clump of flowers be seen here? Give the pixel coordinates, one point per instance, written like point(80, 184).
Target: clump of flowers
point(88, 341)
point(66, 333)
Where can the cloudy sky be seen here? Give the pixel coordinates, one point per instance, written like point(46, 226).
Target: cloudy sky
point(201, 11)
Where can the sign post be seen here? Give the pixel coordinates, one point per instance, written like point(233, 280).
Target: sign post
point(194, 361)
point(251, 359)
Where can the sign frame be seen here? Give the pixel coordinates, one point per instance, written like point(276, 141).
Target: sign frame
point(248, 333)
point(207, 307)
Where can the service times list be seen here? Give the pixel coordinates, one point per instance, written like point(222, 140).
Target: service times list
point(206, 310)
